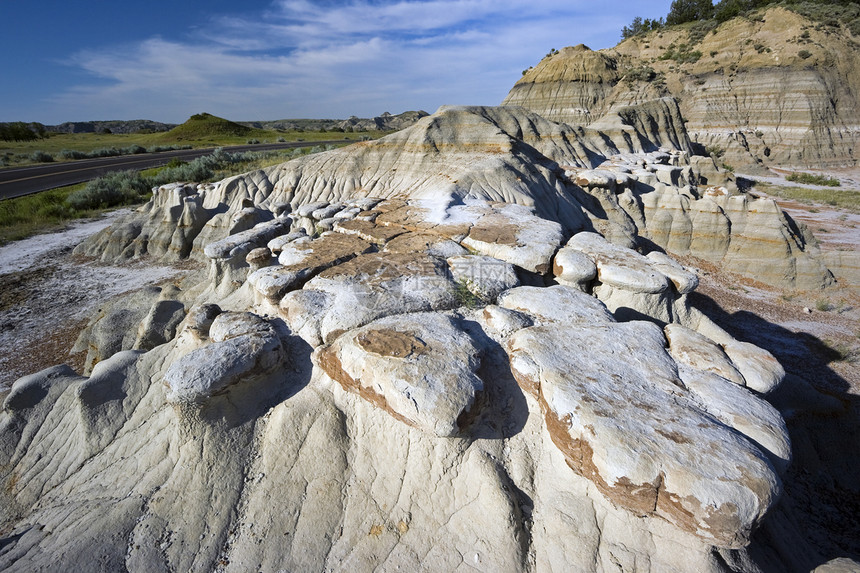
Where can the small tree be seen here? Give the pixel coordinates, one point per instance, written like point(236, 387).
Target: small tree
point(640, 26)
point(689, 11)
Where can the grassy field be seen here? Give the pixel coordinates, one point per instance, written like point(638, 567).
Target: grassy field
point(201, 130)
point(51, 210)
point(841, 198)
point(39, 213)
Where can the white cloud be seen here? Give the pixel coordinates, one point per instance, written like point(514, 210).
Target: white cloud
point(312, 59)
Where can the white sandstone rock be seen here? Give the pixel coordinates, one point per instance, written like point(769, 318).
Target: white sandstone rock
point(556, 304)
point(630, 427)
point(620, 267)
point(685, 281)
point(240, 244)
point(762, 372)
point(304, 258)
point(700, 352)
point(742, 410)
point(276, 245)
point(599, 178)
point(244, 345)
point(503, 321)
point(573, 268)
point(485, 277)
point(421, 368)
point(369, 287)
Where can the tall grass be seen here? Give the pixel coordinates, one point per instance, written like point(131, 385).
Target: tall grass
point(25, 216)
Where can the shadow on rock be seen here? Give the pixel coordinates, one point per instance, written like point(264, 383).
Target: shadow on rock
point(819, 513)
point(504, 410)
point(250, 400)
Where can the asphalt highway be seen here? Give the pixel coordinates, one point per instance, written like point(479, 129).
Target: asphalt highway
point(35, 178)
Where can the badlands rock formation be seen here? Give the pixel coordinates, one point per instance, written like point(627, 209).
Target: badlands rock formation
point(463, 346)
point(774, 90)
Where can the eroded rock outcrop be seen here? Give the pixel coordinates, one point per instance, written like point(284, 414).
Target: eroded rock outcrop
point(776, 89)
point(393, 380)
point(571, 179)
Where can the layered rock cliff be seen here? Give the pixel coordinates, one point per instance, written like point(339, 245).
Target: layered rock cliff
point(775, 89)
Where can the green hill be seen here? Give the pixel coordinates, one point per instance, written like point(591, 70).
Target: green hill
point(205, 125)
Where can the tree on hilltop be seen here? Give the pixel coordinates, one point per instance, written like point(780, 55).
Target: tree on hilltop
point(640, 26)
point(21, 131)
point(683, 11)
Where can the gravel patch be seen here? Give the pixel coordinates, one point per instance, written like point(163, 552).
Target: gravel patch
point(47, 296)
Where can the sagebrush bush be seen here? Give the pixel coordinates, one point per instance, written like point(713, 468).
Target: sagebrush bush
point(128, 187)
point(73, 154)
point(106, 152)
point(41, 157)
point(812, 179)
point(160, 148)
point(119, 188)
point(196, 171)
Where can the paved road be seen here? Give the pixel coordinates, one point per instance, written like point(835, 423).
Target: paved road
point(35, 178)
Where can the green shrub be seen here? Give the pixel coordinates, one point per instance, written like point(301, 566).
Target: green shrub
point(715, 151)
point(20, 131)
point(465, 297)
point(160, 148)
point(197, 171)
point(641, 74)
point(41, 157)
point(639, 27)
point(804, 54)
point(106, 152)
point(812, 179)
point(175, 162)
point(683, 11)
point(22, 216)
point(73, 154)
point(699, 30)
point(118, 188)
point(681, 54)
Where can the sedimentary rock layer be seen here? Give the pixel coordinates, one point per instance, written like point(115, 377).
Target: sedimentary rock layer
point(772, 90)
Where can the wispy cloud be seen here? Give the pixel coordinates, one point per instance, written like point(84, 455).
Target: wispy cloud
point(335, 59)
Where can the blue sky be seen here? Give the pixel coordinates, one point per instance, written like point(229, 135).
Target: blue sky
point(263, 60)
